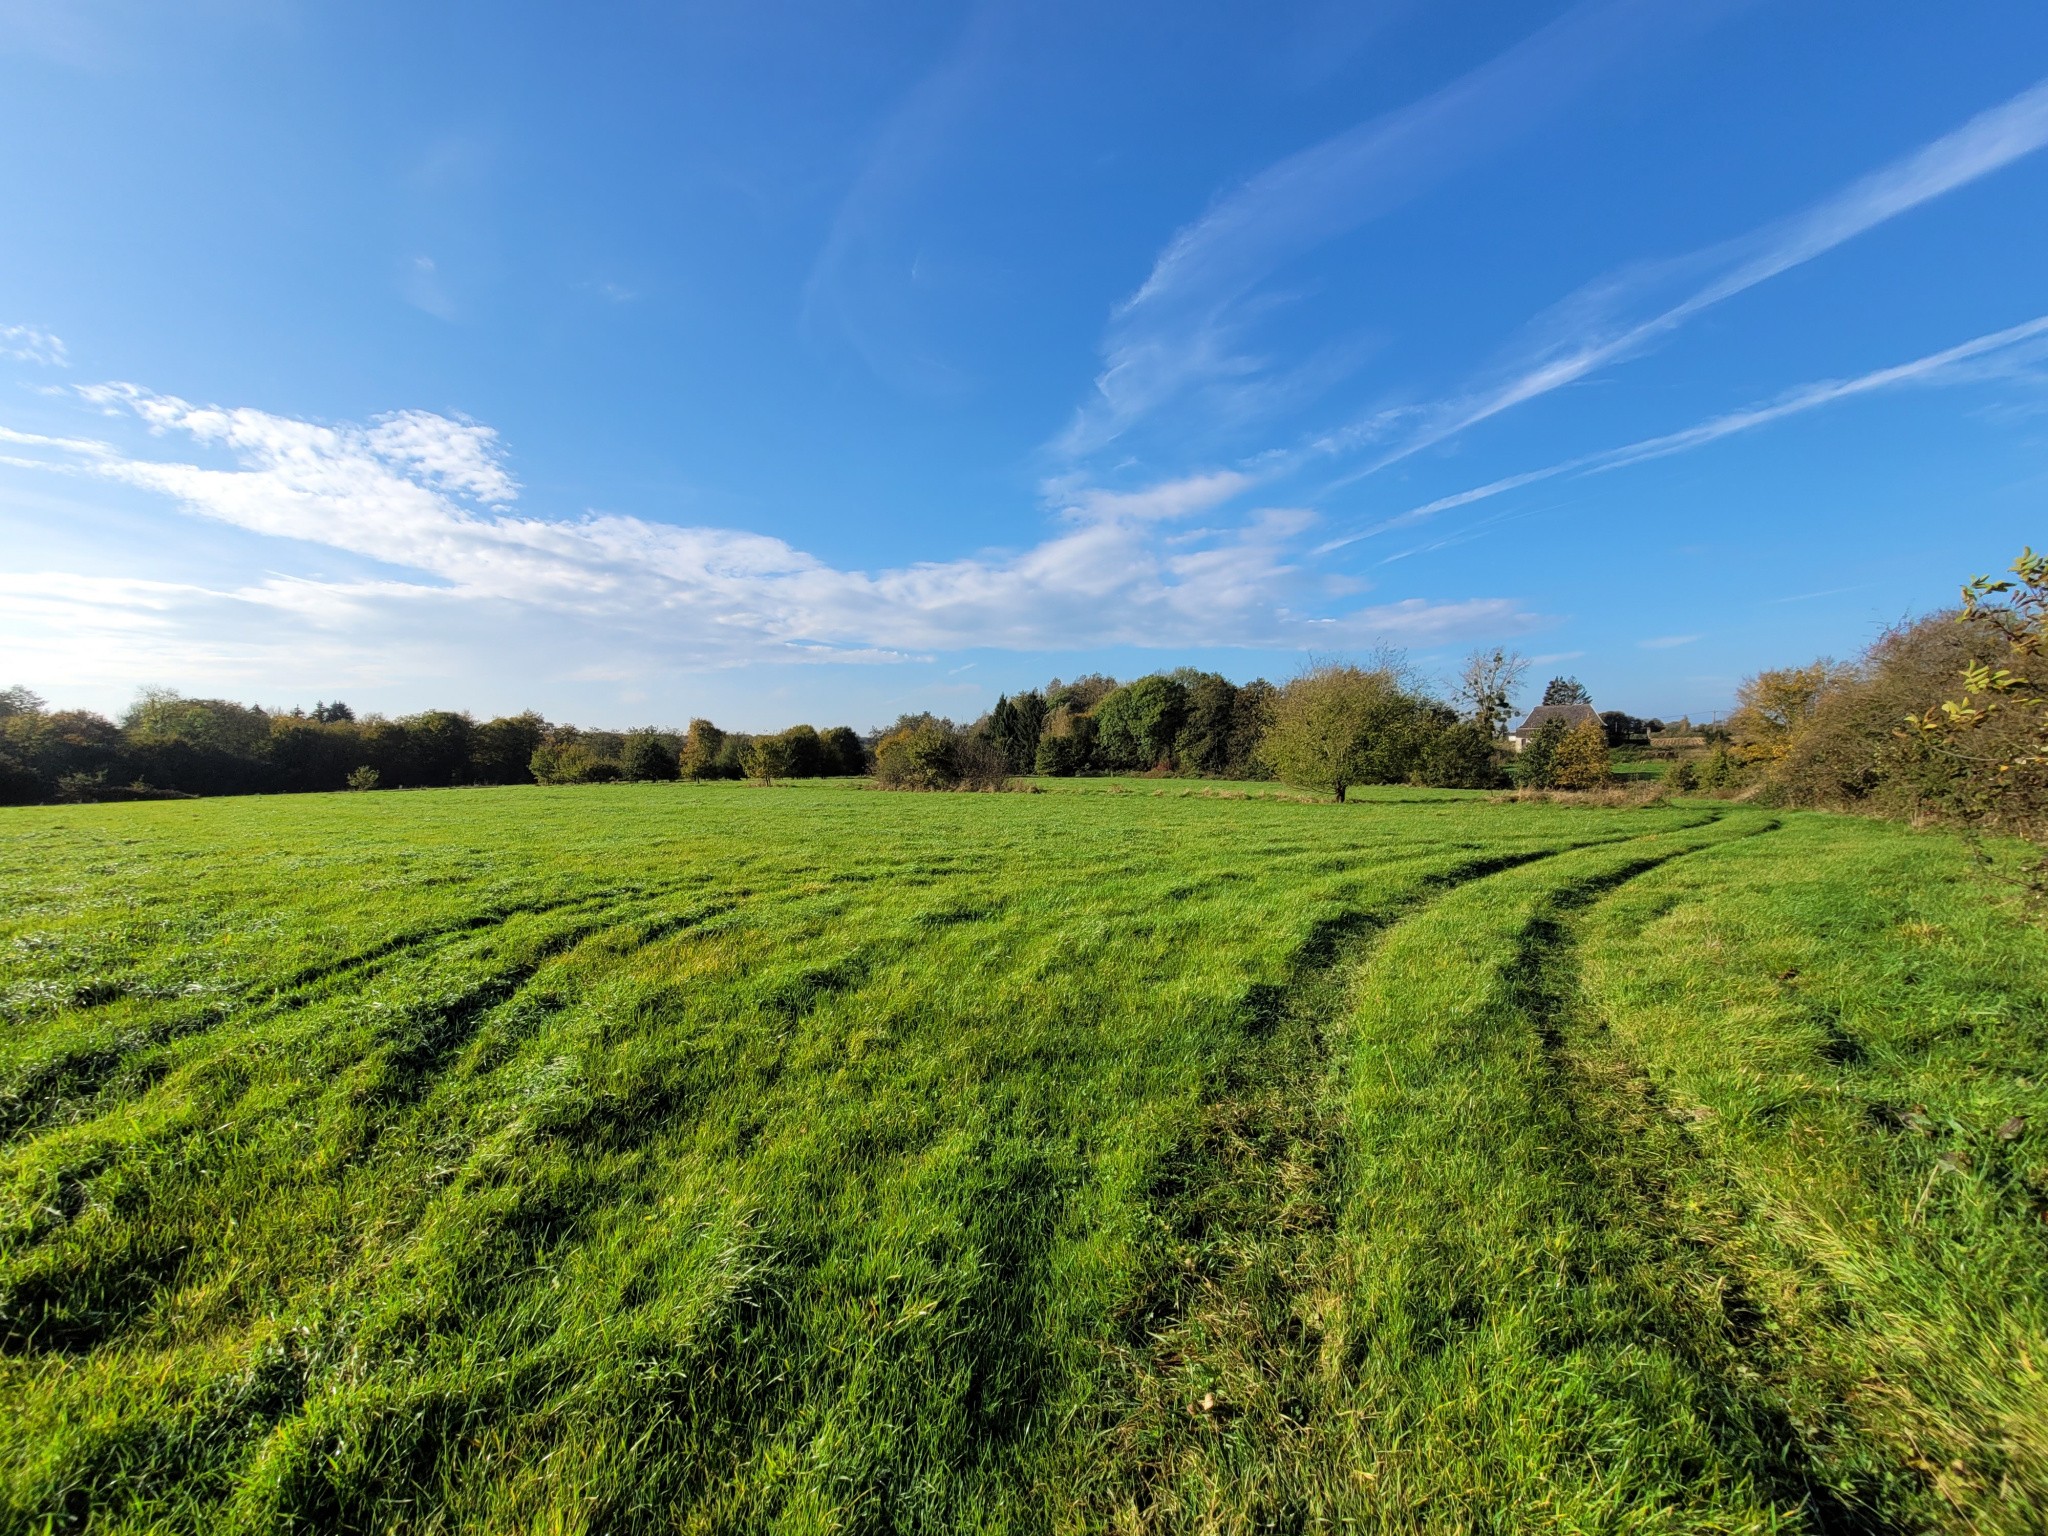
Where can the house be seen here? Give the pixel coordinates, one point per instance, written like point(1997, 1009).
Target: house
point(1543, 714)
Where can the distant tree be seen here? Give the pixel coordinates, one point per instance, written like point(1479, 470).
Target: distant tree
point(925, 752)
point(501, 750)
point(437, 745)
point(220, 725)
point(921, 752)
point(767, 758)
point(364, 778)
point(1082, 694)
point(336, 713)
point(1207, 728)
point(1014, 725)
point(805, 753)
point(18, 700)
point(1338, 726)
point(844, 755)
point(1623, 728)
point(1487, 687)
point(649, 758)
point(1066, 746)
point(205, 746)
point(1774, 707)
point(1566, 690)
point(306, 754)
point(1461, 755)
point(566, 757)
point(1581, 761)
point(704, 752)
point(39, 749)
point(1135, 727)
point(1251, 715)
point(1535, 765)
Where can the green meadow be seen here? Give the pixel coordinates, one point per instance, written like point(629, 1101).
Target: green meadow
point(1132, 1157)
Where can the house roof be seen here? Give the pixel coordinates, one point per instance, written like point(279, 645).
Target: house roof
point(1542, 714)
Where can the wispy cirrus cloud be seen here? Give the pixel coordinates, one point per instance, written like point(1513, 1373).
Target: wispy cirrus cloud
point(1987, 143)
point(1999, 352)
point(1185, 328)
point(862, 284)
point(431, 499)
point(28, 344)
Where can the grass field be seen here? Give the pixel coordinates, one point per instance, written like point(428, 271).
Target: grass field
point(1132, 1157)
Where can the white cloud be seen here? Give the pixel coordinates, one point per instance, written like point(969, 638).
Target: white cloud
point(1184, 329)
point(26, 344)
point(431, 499)
point(1996, 354)
point(1667, 642)
point(1987, 143)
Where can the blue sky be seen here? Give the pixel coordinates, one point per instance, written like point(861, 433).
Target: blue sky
point(786, 361)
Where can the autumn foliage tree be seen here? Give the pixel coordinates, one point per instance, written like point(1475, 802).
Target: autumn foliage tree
point(1581, 760)
point(1773, 708)
point(1996, 731)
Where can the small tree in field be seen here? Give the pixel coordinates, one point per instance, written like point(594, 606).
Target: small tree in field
point(767, 758)
point(1329, 723)
point(1581, 761)
point(364, 778)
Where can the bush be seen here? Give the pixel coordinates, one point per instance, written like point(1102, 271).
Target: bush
point(1462, 756)
point(1684, 777)
point(1535, 765)
point(922, 756)
point(364, 778)
point(1720, 770)
point(1581, 761)
point(928, 753)
point(564, 759)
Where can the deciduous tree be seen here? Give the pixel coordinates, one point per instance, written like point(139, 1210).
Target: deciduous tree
point(1487, 687)
point(1337, 726)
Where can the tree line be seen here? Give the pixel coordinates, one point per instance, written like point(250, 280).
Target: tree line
point(1332, 728)
point(168, 744)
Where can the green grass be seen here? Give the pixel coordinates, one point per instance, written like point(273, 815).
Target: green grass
point(1129, 1156)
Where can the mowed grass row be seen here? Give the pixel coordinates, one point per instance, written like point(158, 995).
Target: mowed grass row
point(654, 1158)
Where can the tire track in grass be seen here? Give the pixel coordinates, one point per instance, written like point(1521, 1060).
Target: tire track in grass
point(1421, 1329)
point(1229, 1341)
point(1632, 1157)
point(1610, 1368)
